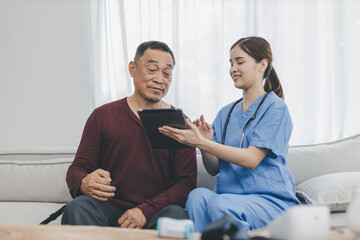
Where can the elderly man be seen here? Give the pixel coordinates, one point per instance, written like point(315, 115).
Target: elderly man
point(117, 178)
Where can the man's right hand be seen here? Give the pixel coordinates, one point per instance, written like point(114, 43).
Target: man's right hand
point(97, 185)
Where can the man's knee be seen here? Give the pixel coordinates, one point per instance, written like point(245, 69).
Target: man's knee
point(80, 210)
point(172, 211)
point(78, 204)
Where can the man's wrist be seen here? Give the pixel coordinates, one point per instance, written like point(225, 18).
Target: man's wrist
point(147, 210)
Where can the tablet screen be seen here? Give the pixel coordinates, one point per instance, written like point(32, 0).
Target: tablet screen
point(152, 119)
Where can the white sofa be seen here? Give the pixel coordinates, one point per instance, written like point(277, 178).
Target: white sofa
point(32, 185)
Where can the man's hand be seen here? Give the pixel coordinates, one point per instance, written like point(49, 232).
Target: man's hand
point(97, 185)
point(132, 218)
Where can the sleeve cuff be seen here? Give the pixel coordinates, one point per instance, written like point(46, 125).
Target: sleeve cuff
point(269, 146)
point(75, 191)
point(147, 210)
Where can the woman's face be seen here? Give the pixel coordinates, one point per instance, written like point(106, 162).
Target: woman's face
point(244, 70)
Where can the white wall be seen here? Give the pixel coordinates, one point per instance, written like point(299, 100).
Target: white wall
point(45, 73)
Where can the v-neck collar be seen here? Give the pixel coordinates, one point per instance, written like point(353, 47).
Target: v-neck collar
point(253, 105)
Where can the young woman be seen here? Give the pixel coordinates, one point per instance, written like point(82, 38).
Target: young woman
point(246, 146)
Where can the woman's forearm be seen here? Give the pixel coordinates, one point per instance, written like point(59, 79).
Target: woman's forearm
point(246, 157)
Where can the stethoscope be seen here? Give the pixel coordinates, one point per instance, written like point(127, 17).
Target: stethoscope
point(246, 124)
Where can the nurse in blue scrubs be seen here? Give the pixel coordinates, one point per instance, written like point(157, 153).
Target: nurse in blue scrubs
point(246, 146)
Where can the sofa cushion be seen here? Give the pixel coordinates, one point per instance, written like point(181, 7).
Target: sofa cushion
point(34, 180)
point(334, 190)
point(310, 161)
point(28, 212)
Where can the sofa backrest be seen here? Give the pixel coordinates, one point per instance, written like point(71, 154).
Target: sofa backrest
point(309, 161)
point(41, 176)
point(34, 177)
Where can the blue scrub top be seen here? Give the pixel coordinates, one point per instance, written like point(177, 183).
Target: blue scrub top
point(272, 130)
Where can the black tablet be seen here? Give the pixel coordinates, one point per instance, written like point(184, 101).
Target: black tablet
point(152, 119)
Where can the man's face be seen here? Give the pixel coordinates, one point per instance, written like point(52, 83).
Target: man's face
point(152, 74)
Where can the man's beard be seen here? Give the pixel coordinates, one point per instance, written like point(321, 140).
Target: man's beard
point(151, 100)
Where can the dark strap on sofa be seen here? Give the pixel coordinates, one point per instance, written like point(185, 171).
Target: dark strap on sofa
point(54, 215)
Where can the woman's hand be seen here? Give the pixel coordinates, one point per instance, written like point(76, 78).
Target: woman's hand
point(204, 128)
point(191, 136)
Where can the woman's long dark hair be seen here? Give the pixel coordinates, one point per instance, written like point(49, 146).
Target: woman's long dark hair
point(259, 49)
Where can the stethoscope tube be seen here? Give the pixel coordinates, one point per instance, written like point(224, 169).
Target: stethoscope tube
point(247, 122)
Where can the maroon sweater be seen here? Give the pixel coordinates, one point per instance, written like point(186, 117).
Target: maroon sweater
point(115, 140)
